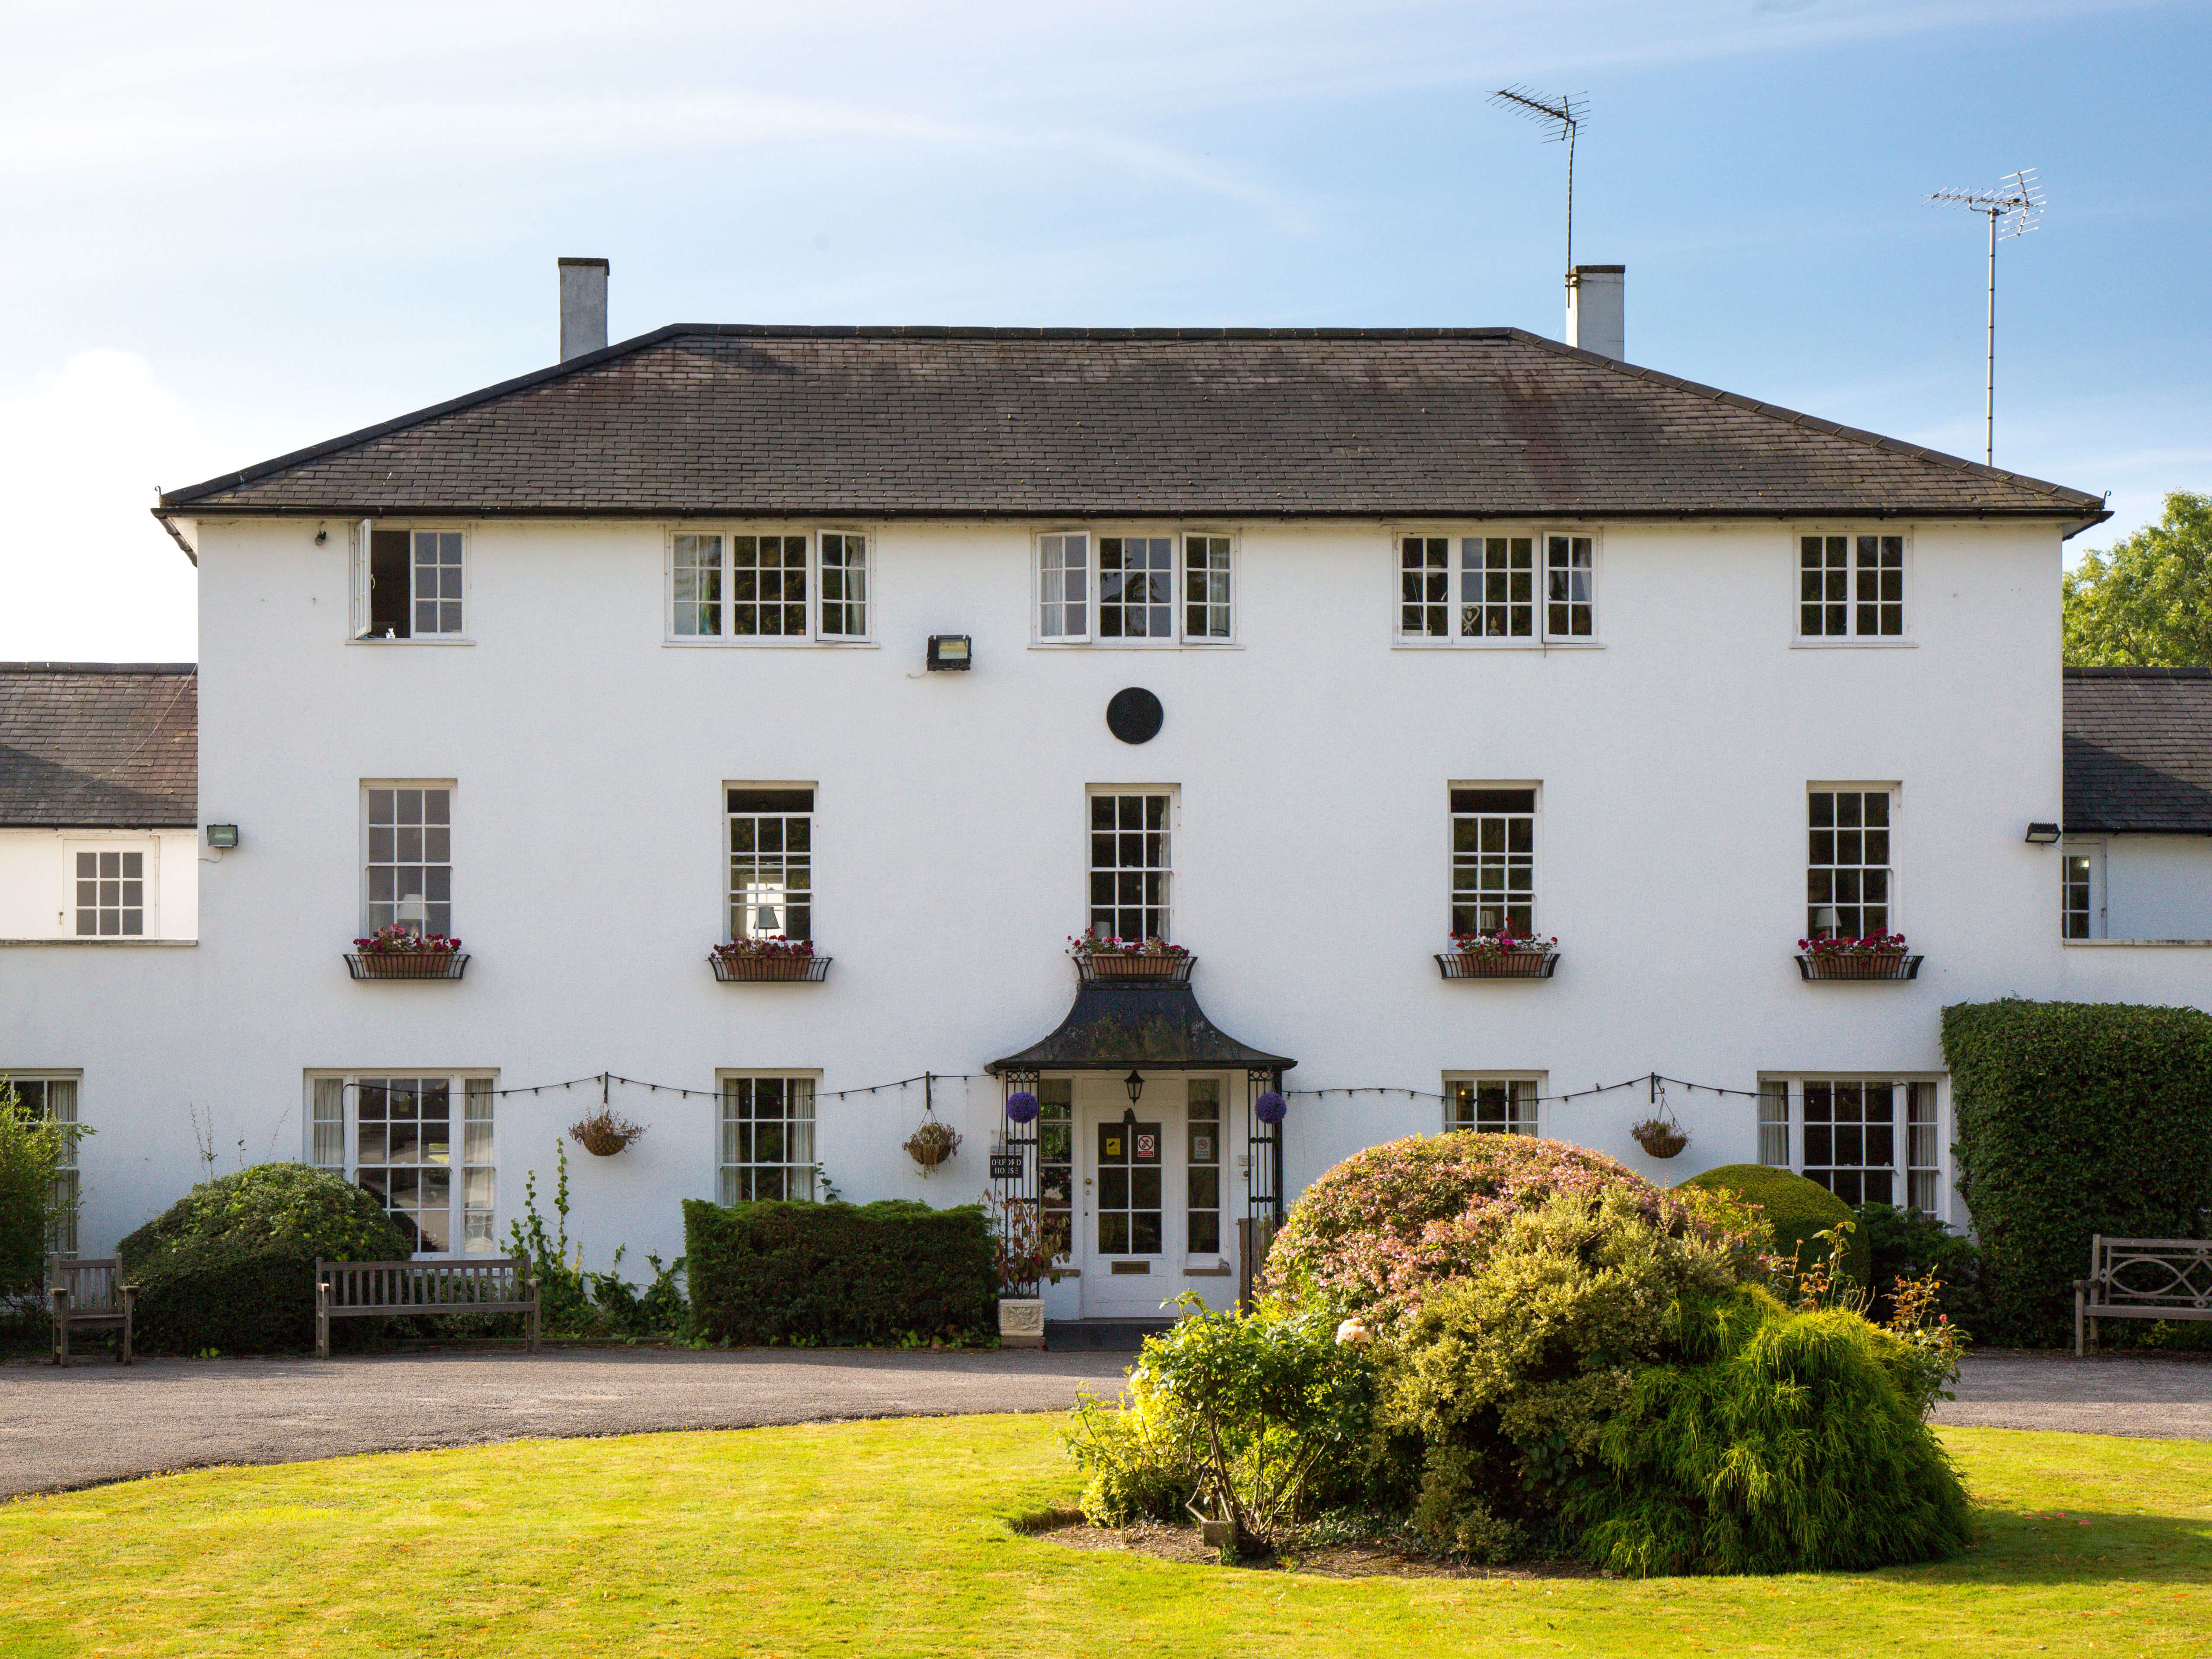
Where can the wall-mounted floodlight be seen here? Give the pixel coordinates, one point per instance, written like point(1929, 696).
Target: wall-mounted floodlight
point(222, 835)
point(2042, 835)
point(948, 652)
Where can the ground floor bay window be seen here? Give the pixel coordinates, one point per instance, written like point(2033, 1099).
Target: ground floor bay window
point(1868, 1141)
point(421, 1144)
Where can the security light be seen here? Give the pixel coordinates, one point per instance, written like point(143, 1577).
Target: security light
point(948, 652)
point(222, 835)
point(2042, 835)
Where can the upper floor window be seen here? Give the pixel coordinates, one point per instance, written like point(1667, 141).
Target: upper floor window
point(111, 888)
point(408, 875)
point(1848, 889)
point(1494, 860)
point(1131, 862)
point(1522, 587)
point(1144, 588)
point(1851, 586)
point(758, 584)
point(2081, 889)
point(412, 586)
point(771, 863)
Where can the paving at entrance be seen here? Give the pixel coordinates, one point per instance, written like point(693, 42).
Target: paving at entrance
point(98, 1421)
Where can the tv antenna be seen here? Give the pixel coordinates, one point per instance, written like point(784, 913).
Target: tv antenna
point(1561, 118)
point(2013, 209)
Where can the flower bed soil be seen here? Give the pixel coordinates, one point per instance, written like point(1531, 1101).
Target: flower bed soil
point(1380, 1558)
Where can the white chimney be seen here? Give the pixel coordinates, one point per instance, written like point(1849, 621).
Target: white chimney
point(583, 306)
point(1594, 309)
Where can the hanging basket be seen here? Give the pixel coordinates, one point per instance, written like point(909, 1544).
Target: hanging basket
point(1660, 1137)
point(932, 1144)
point(603, 1134)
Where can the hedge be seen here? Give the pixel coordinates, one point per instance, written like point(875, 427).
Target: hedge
point(1798, 1211)
point(2075, 1119)
point(839, 1273)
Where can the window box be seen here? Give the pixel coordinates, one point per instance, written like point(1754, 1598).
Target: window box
point(406, 964)
point(1885, 964)
point(1499, 964)
point(1135, 967)
point(733, 969)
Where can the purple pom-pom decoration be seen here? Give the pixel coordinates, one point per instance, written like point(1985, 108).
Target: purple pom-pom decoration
point(1021, 1106)
point(1269, 1107)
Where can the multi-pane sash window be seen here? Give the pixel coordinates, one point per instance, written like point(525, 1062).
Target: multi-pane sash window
point(767, 586)
point(440, 1192)
point(697, 569)
point(111, 892)
point(1205, 587)
point(768, 1138)
point(2081, 890)
point(1923, 1152)
point(1505, 1106)
point(1774, 1123)
point(55, 1098)
point(1867, 1142)
point(1064, 587)
point(1424, 586)
point(844, 584)
point(1850, 586)
point(1498, 586)
point(1202, 1167)
point(1055, 1129)
point(1847, 877)
point(1494, 860)
point(1130, 866)
point(771, 863)
point(1570, 593)
point(1136, 587)
point(410, 857)
point(414, 587)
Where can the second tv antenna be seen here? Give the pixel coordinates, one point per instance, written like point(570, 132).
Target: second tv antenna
point(2013, 209)
point(1562, 117)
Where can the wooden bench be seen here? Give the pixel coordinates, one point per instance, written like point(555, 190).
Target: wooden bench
point(2142, 1279)
point(362, 1290)
point(88, 1292)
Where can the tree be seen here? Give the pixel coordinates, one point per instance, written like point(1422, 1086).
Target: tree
point(2147, 603)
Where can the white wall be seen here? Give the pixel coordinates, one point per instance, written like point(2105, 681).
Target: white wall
point(1312, 857)
point(38, 884)
point(2158, 887)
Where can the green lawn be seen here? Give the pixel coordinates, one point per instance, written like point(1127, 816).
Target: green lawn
point(893, 1538)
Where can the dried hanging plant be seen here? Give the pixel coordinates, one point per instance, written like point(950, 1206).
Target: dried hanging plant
point(932, 1144)
point(1662, 1137)
point(603, 1134)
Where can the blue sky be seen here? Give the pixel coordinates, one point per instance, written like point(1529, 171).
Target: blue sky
point(235, 229)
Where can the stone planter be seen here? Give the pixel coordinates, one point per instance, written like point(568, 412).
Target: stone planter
point(1021, 1321)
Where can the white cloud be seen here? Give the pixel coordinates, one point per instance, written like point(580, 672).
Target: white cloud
point(85, 574)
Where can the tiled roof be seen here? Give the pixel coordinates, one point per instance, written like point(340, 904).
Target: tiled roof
point(99, 745)
point(1183, 422)
point(2139, 750)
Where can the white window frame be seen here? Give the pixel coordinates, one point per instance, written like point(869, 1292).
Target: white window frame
point(68, 1191)
point(813, 633)
point(149, 907)
point(1534, 1082)
point(1895, 903)
point(1907, 1148)
point(1853, 639)
point(1535, 849)
point(1178, 536)
point(2071, 849)
point(725, 1188)
point(463, 1147)
point(1171, 827)
point(1461, 590)
point(363, 608)
point(450, 864)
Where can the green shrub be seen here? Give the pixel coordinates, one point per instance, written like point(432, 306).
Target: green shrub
point(2075, 1119)
point(1797, 1210)
point(1142, 1457)
point(1907, 1244)
point(1781, 1443)
point(839, 1273)
point(231, 1266)
point(32, 1149)
point(1390, 1223)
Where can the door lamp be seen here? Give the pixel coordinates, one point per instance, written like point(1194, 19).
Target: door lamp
point(1135, 1083)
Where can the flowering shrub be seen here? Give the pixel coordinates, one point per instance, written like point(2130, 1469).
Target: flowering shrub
point(1091, 943)
point(396, 938)
point(1390, 1223)
point(1024, 1248)
point(771, 946)
point(1504, 942)
point(1870, 944)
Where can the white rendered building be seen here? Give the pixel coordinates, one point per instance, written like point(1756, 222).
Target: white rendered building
point(730, 631)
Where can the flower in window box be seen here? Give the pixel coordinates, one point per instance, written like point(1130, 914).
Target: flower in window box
point(396, 939)
point(767, 945)
point(1872, 956)
point(1830, 948)
point(1502, 943)
point(1100, 956)
point(768, 956)
point(1091, 943)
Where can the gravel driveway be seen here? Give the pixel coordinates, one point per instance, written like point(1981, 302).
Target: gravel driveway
point(98, 1421)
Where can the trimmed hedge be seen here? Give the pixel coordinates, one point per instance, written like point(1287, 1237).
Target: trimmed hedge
point(1798, 1210)
point(839, 1273)
point(2075, 1119)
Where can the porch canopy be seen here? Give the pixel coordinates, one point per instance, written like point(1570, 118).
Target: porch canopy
point(1117, 1024)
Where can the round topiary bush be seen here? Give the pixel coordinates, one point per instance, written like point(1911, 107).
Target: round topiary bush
point(231, 1266)
point(1797, 1210)
point(1389, 1224)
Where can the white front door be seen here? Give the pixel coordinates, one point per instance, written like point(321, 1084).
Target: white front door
point(1148, 1193)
